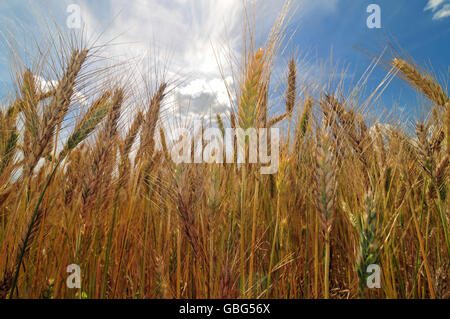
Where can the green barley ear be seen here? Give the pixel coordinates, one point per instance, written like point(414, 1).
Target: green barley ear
point(325, 193)
point(91, 119)
point(368, 244)
point(325, 180)
point(303, 122)
point(251, 92)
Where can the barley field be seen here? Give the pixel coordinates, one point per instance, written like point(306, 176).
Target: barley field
point(97, 186)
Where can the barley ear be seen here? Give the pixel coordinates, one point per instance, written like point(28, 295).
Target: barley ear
point(150, 120)
point(9, 151)
point(277, 119)
point(325, 181)
point(423, 82)
point(368, 244)
point(162, 134)
point(220, 124)
point(291, 92)
point(91, 119)
point(132, 134)
point(251, 92)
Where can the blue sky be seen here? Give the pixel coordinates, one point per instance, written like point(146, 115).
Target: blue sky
point(187, 30)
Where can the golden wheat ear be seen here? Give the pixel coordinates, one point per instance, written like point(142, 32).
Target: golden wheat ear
point(56, 110)
point(423, 82)
point(277, 119)
point(151, 118)
point(114, 114)
point(132, 134)
point(9, 135)
point(291, 91)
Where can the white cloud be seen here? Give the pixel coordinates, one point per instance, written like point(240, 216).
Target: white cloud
point(186, 30)
point(186, 35)
point(433, 4)
point(182, 36)
point(47, 85)
point(440, 12)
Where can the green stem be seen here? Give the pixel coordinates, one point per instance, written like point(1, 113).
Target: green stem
point(30, 229)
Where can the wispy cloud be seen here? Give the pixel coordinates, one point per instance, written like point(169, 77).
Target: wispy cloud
point(182, 37)
point(433, 4)
point(441, 8)
point(190, 33)
point(442, 13)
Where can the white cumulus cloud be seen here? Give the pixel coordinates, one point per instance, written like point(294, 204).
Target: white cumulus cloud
point(187, 35)
point(440, 8)
point(433, 4)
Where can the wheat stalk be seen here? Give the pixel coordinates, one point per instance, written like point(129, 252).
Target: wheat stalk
point(325, 190)
point(57, 109)
point(291, 91)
